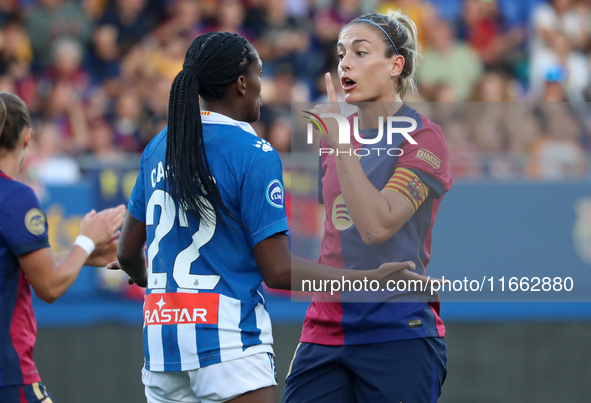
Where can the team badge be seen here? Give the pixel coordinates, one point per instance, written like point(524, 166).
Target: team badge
point(263, 145)
point(340, 215)
point(274, 193)
point(417, 189)
point(582, 230)
point(35, 221)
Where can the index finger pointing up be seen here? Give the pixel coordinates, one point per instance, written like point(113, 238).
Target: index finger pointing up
point(332, 95)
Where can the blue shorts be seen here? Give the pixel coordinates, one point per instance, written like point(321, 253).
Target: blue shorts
point(34, 393)
point(391, 372)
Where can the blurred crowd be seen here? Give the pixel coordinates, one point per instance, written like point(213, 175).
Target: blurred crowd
point(96, 74)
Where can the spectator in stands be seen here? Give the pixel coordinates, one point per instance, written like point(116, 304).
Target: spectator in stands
point(103, 62)
point(49, 20)
point(558, 155)
point(481, 26)
point(327, 26)
point(278, 93)
point(421, 12)
point(517, 14)
point(126, 123)
point(286, 89)
point(132, 48)
point(67, 66)
point(15, 47)
point(464, 156)
point(94, 9)
point(133, 20)
point(62, 107)
point(449, 62)
point(280, 134)
point(16, 55)
point(52, 165)
point(557, 15)
point(166, 59)
point(102, 146)
point(7, 84)
point(285, 39)
point(8, 9)
point(448, 10)
point(553, 90)
point(155, 109)
point(185, 21)
point(497, 123)
point(230, 18)
point(559, 63)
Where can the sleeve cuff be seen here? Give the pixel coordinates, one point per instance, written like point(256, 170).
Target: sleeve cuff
point(430, 181)
point(30, 246)
point(136, 212)
point(274, 228)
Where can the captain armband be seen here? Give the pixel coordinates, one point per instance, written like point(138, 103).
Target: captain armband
point(409, 185)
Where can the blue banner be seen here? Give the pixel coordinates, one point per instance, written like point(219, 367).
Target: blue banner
point(521, 229)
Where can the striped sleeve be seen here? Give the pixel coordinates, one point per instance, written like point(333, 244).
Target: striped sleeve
point(409, 185)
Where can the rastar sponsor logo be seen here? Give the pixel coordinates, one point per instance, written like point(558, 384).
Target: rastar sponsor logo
point(179, 308)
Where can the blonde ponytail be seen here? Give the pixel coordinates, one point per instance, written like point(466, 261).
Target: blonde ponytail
point(402, 33)
point(408, 46)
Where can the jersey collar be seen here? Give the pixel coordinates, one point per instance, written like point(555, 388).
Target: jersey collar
point(214, 117)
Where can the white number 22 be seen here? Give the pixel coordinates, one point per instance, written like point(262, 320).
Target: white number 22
point(182, 263)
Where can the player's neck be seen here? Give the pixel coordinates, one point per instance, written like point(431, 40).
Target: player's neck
point(224, 109)
point(10, 164)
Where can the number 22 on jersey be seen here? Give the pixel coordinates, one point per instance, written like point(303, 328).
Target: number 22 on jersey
point(183, 261)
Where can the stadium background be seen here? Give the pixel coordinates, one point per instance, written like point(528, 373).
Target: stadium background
point(96, 75)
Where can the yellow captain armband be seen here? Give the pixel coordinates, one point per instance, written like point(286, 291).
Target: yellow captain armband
point(409, 185)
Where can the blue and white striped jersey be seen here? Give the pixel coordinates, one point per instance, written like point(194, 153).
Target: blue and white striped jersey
point(204, 300)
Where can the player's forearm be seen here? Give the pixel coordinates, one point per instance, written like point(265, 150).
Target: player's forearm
point(370, 211)
point(66, 272)
point(59, 257)
point(306, 270)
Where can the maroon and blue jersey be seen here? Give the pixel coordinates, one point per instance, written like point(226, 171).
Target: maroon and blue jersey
point(23, 229)
point(348, 323)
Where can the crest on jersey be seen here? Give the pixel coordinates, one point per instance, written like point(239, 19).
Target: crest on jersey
point(417, 189)
point(582, 229)
point(263, 145)
point(35, 221)
point(274, 193)
point(340, 215)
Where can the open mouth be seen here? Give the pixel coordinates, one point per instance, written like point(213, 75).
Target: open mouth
point(348, 84)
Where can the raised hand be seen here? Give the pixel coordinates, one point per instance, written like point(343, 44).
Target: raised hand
point(116, 266)
point(332, 135)
point(100, 227)
point(105, 253)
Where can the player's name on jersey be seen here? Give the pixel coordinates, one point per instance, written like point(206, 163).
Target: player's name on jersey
point(179, 308)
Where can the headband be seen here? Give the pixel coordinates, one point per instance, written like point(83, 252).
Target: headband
point(383, 30)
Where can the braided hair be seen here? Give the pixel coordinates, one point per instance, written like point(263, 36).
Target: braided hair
point(213, 62)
